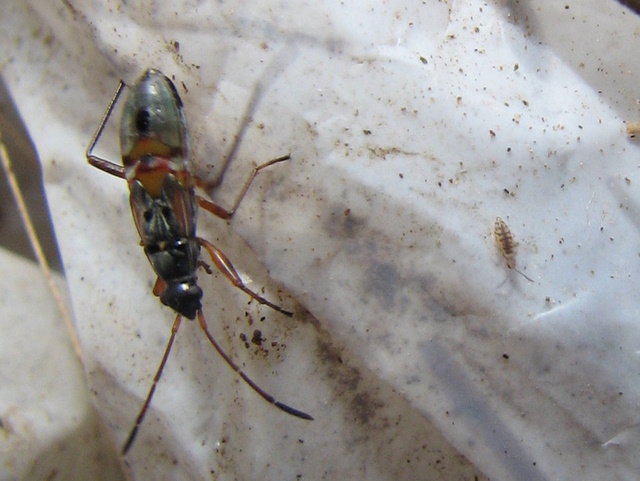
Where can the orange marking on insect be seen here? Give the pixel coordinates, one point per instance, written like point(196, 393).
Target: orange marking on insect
point(145, 147)
point(507, 245)
point(152, 171)
point(152, 181)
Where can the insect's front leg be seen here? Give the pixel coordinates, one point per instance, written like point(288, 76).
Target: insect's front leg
point(225, 266)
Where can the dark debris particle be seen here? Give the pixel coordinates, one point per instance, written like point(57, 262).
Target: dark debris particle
point(257, 337)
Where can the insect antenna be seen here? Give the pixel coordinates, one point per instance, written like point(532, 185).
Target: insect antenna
point(147, 402)
point(523, 275)
point(267, 397)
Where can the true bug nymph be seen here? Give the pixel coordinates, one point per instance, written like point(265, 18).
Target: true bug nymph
point(156, 165)
point(507, 245)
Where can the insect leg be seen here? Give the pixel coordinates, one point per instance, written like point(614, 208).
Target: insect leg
point(205, 266)
point(145, 406)
point(223, 213)
point(104, 164)
point(269, 74)
point(268, 397)
point(223, 264)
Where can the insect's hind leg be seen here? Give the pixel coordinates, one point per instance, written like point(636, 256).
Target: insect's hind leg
point(223, 213)
point(225, 266)
point(98, 162)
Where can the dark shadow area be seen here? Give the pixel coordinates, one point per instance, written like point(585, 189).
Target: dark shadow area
point(29, 177)
point(632, 4)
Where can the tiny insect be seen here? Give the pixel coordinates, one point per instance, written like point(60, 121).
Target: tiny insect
point(507, 245)
point(633, 129)
point(157, 168)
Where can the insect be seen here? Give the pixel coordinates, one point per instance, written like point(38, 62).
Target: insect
point(156, 165)
point(633, 129)
point(507, 245)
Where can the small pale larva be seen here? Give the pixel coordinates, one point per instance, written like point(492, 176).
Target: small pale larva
point(633, 129)
point(507, 245)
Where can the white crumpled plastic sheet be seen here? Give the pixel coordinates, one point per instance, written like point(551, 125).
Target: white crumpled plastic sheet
point(411, 127)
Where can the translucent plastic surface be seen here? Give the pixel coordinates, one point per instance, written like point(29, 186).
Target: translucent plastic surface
point(411, 127)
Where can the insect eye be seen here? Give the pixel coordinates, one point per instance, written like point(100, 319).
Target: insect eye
point(166, 212)
point(143, 121)
point(148, 215)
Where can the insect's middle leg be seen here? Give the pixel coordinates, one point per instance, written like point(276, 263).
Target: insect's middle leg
point(225, 266)
point(223, 213)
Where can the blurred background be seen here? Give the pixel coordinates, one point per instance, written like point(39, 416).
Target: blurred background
point(29, 176)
